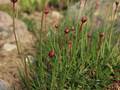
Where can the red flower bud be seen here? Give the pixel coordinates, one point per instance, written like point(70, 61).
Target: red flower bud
point(56, 26)
point(51, 54)
point(102, 34)
point(117, 3)
point(70, 44)
point(46, 11)
point(67, 31)
point(83, 19)
point(13, 1)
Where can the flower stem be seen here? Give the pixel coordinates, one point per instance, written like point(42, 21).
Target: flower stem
point(14, 32)
point(17, 42)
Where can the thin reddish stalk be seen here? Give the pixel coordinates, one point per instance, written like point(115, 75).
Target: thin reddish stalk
point(17, 42)
point(89, 37)
point(14, 32)
point(101, 38)
point(81, 27)
point(42, 22)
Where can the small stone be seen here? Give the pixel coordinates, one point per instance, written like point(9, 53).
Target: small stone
point(5, 19)
point(9, 47)
point(4, 34)
point(56, 15)
point(29, 59)
point(4, 85)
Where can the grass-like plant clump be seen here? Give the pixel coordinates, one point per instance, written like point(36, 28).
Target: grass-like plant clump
point(74, 58)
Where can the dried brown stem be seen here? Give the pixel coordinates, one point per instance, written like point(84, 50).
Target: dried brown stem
point(14, 30)
point(81, 27)
point(17, 42)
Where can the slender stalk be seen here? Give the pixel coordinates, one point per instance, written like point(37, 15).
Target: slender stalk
point(89, 39)
point(81, 27)
point(42, 22)
point(100, 42)
point(45, 22)
point(113, 18)
point(41, 29)
point(40, 40)
point(17, 42)
point(83, 20)
point(85, 3)
point(14, 32)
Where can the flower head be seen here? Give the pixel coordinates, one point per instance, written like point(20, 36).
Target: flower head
point(102, 34)
point(46, 11)
point(83, 19)
point(13, 1)
point(70, 44)
point(117, 3)
point(51, 54)
point(56, 26)
point(67, 30)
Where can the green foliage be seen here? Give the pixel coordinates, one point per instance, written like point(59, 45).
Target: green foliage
point(92, 63)
point(31, 24)
point(54, 1)
point(40, 4)
point(31, 5)
point(6, 8)
point(83, 67)
point(28, 5)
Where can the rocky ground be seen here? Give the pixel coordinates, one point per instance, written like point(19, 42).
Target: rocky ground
point(9, 60)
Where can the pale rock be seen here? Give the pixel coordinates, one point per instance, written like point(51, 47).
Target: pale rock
point(56, 15)
point(30, 59)
point(4, 2)
point(9, 47)
point(24, 37)
point(5, 19)
point(4, 85)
